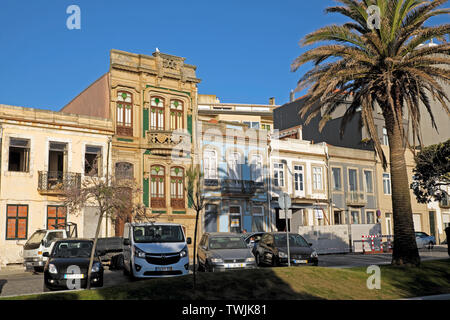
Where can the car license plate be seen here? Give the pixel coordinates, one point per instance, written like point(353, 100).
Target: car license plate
point(234, 265)
point(163, 268)
point(300, 261)
point(73, 276)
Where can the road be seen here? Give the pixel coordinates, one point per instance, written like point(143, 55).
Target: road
point(17, 282)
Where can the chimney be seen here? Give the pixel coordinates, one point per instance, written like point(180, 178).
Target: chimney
point(272, 101)
point(291, 96)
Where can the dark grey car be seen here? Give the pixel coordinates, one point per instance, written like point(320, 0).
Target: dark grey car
point(224, 251)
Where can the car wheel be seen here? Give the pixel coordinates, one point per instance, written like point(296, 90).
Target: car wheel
point(430, 245)
point(274, 261)
point(125, 271)
point(131, 275)
point(46, 289)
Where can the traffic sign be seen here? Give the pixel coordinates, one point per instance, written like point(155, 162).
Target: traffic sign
point(284, 201)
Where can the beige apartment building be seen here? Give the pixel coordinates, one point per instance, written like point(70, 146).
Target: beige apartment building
point(152, 103)
point(41, 152)
point(420, 211)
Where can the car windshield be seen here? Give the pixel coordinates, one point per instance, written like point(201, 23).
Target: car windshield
point(37, 237)
point(227, 243)
point(72, 249)
point(158, 233)
point(295, 240)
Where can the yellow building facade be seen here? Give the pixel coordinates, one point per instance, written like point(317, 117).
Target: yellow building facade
point(41, 152)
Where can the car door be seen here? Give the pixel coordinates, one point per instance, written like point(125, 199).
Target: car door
point(127, 245)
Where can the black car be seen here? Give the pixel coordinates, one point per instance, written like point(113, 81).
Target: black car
point(67, 265)
point(272, 250)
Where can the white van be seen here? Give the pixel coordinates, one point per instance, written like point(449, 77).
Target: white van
point(155, 250)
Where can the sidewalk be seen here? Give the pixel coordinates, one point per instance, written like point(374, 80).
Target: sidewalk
point(12, 269)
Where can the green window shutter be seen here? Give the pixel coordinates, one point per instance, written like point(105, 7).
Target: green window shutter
point(145, 122)
point(146, 192)
point(189, 125)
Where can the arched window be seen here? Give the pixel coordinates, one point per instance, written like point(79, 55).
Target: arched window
point(158, 196)
point(156, 113)
point(124, 114)
point(177, 187)
point(176, 115)
point(124, 170)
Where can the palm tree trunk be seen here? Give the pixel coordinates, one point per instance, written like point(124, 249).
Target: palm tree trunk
point(405, 248)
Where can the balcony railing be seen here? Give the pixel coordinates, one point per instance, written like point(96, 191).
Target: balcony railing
point(244, 187)
point(163, 142)
point(356, 198)
point(57, 182)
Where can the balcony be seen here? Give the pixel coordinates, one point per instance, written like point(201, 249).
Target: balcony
point(57, 182)
point(238, 187)
point(164, 142)
point(356, 198)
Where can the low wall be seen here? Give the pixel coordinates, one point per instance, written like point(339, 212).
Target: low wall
point(335, 239)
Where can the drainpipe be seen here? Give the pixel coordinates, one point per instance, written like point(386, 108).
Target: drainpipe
point(330, 201)
point(107, 178)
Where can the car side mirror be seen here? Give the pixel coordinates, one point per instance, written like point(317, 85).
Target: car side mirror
point(126, 242)
point(101, 252)
point(310, 244)
point(188, 240)
point(46, 254)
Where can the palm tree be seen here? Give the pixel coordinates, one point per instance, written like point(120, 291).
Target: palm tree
point(385, 65)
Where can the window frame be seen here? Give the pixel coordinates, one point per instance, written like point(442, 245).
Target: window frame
point(17, 218)
point(160, 197)
point(365, 181)
point(159, 112)
point(49, 227)
point(334, 179)
point(280, 174)
point(178, 116)
point(26, 150)
point(177, 182)
point(314, 181)
point(387, 180)
point(123, 128)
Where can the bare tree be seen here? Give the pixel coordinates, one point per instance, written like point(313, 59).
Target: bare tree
point(114, 197)
point(196, 197)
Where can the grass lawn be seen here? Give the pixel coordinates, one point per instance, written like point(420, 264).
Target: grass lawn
point(432, 277)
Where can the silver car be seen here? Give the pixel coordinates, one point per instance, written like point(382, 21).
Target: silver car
point(224, 251)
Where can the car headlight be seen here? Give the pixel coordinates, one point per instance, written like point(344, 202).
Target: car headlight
point(314, 254)
point(250, 260)
point(216, 260)
point(184, 252)
point(96, 267)
point(139, 253)
point(52, 268)
point(281, 254)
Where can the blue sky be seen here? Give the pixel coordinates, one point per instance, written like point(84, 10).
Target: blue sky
point(242, 49)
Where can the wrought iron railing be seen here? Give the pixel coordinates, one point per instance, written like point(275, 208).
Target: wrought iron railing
point(245, 187)
point(58, 181)
point(356, 198)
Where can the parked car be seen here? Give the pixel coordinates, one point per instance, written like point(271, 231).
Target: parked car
point(155, 250)
point(272, 250)
point(219, 251)
point(424, 240)
point(252, 239)
point(67, 265)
